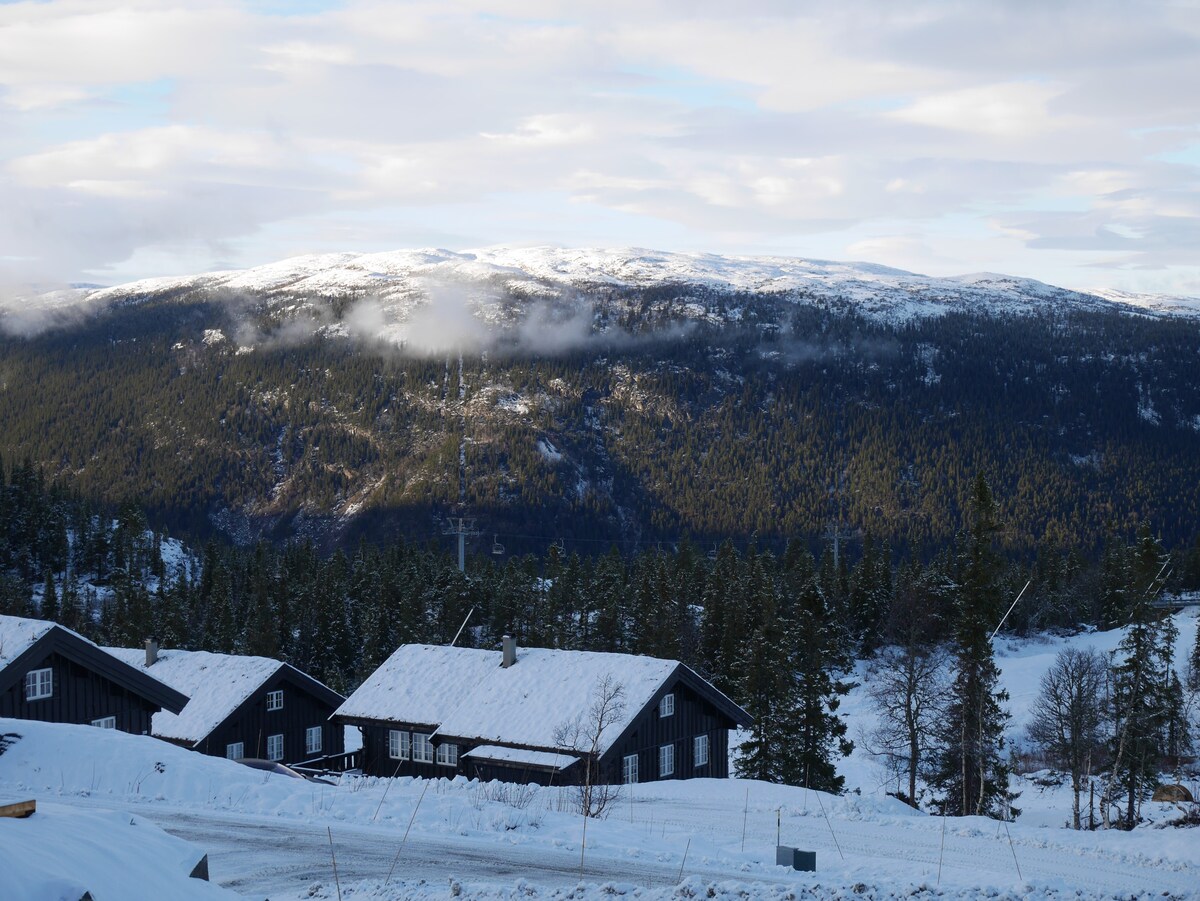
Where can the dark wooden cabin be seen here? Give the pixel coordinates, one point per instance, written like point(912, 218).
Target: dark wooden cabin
point(244, 706)
point(52, 674)
point(531, 717)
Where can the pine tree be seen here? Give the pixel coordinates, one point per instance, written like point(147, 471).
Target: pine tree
point(816, 735)
point(50, 609)
point(1141, 687)
point(769, 693)
point(970, 772)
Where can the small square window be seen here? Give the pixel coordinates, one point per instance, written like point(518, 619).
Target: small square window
point(447, 754)
point(629, 769)
point(39, 683)
point(105, 722)
point(422, 748)
point(398, 745)
point(666, 707)
point(700, 750)
point(312, 740)
point(275, 700)
point(235, 751)
point(666, 760)
point(274, 747)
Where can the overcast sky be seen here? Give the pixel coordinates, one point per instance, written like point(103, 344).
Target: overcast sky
point(1058, 140)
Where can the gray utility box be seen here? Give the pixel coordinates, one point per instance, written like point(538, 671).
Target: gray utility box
point(805, 861)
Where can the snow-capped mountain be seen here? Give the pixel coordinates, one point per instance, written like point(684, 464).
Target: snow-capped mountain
point(403, 279)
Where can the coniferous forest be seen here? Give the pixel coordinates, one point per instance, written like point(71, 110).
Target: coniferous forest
point(767, 504)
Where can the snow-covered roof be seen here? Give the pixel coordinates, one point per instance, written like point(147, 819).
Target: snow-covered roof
point(467, 694)
point(217, 685)
point(18, 635)
point(545, 760)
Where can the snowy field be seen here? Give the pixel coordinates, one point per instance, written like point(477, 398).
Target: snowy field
point(268, 835)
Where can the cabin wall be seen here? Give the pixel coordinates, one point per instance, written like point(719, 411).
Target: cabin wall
point(80, 696)
point(376, 761)
point(251, 723)
point(693, 716)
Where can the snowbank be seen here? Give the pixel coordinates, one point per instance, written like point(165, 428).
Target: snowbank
point(62, 853)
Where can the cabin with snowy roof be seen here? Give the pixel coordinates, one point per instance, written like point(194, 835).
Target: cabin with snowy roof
point(242, 706)
point(52, 674)
point(531, 716)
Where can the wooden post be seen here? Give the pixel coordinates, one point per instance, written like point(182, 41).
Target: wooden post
point(19, 811)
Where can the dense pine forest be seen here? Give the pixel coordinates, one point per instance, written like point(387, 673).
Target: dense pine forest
point(790, 423)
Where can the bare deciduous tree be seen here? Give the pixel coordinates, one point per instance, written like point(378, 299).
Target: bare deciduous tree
point(906, 686)
point(1067, 719)
point(584, 734)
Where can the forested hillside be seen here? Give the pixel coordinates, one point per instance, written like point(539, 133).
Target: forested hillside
point(780, 426)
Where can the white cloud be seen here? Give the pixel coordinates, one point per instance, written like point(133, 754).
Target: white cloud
point(762, 125)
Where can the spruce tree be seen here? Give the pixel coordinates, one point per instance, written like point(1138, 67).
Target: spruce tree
point(50, 610)
point(816, 735)
point(970, 772)
point(1141, 685)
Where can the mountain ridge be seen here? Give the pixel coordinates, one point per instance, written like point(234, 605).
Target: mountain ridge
point(402, 280)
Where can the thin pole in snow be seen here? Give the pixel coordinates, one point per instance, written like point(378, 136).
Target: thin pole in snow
point(942, 852)
point(403, 840)
point(460, 628)
point(387, 788)
point(745, 814)
point(1010, 608)
point(1014, 851)
point(333, 857)
point(679, 878)
point(778, 824)
point(830, 825)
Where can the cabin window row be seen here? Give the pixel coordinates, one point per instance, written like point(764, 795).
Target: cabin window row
point(418, 748)
point(666, 760)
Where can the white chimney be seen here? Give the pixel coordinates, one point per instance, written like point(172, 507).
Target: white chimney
point(151, 651)
point(509, 651)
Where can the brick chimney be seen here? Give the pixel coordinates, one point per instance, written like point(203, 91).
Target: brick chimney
point(508, 656)
point(151, 651)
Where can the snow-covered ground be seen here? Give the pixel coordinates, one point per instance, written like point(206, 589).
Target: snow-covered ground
point(270, 835)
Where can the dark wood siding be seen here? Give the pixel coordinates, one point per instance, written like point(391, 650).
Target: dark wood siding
point(251, 723)
point(80, 696)
point(377, 762)
point(694, 716)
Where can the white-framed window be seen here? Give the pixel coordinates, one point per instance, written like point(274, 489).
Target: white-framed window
point(105, 722)
point(275, 747)
point(39, 683)
point(666, 707)
point(666, 760)
point(422, 748)
point(629, 769)
point(275, 699)
point(312, 739)
point(700, 750)
point(235, 750)
point(447, 754)
point(398, 745)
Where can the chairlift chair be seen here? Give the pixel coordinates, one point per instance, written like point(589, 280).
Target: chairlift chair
point(497, 547)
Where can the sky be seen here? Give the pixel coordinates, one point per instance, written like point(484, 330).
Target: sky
point(1052, 139)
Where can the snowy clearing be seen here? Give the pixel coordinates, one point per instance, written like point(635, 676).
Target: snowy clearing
point(267, 834)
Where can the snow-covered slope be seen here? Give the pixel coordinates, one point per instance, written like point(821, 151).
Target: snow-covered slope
point(485, 276)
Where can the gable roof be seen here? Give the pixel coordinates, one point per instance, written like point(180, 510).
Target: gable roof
point(18, 635)
point(217, 685)
point(466, 693)
point(25, 641)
